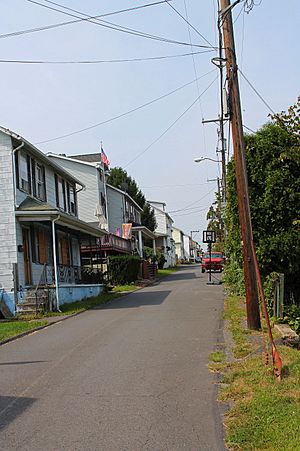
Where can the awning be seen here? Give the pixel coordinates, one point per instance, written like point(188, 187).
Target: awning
point(33, 211)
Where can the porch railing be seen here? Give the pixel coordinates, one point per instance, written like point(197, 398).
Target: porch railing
point(71, 275)
point(115, 242)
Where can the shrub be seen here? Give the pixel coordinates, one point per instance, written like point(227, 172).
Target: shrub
point(123, 269)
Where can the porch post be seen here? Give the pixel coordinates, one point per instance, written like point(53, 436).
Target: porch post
point(154, 247)
point(140, 244)
point(55, 261)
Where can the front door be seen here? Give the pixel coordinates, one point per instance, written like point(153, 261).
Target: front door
point(26, 252)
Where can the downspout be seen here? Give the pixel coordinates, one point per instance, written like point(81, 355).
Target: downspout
point(14, 170)
point(55, 261)
point(15, 266)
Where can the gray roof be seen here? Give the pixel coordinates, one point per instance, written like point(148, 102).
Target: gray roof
point(89, 157)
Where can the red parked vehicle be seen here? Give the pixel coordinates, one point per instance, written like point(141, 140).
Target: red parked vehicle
point(215, 262)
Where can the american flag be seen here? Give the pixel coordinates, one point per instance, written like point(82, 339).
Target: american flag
point(104, 158)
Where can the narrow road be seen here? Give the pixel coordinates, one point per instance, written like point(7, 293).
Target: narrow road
point(130, 376)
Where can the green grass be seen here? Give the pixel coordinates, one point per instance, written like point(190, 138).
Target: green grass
point(85, 304)
point(165, 272)
point(11, 328)
point(120, 288)
point(76, 307)
point(234, 312)
point(265, 413)
point(216, 360)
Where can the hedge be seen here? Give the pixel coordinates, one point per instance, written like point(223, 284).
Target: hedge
point(123, 269)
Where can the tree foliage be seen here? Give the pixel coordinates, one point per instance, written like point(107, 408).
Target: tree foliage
point(119, 178)
point(272, 156)
point(215, 222)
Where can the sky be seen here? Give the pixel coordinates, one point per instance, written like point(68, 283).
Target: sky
point(157, 143)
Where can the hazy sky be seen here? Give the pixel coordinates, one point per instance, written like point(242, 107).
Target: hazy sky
point(44, 101)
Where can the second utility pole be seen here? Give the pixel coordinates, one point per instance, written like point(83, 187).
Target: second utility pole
point(225, 18)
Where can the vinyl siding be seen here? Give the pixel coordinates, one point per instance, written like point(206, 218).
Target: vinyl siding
point(87, 199)
point(50, 186)
point(115, 201)
point(8, 252)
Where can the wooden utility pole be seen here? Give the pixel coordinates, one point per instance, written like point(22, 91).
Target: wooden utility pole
point(225, 20)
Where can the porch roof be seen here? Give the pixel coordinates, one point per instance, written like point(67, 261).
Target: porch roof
point(32, 210)
point(145, 231)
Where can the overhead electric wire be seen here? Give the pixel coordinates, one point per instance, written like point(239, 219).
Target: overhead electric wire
point(133, 8)
point(125, 60)
point(195, 72)
point(173, 186)
point(122, 114)
point(193, 203)
point(70, 22)
point(192, 213)
point(170, 126)
point(190, 25)
point(257, 93)
point(248, 128)
point(112, 26)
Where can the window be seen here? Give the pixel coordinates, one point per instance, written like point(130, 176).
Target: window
point(60, 190)
point(72, 209)
point(24, 173)
point(41, 245)
point(63, 249)
point(71, 199)
point(31, 176)
point(40, 182)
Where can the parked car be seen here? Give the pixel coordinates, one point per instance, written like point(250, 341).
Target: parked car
point(215, 262)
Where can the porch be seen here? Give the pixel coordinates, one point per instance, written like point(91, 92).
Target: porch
point(49, 269)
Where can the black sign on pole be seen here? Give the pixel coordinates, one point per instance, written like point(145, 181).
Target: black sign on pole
point(209, 236)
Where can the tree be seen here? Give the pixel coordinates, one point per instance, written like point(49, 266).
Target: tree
point(148, 217)
point(272, 155)
point(119, 178)
point(215, 222)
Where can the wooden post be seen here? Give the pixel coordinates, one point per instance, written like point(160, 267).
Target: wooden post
point(225, 18)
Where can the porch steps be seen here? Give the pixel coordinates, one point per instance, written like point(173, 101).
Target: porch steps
point(35, 302)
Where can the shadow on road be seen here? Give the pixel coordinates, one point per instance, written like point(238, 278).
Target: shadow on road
point(28, 362)
point(11, 407)
point(180, 275)
point(138, 299)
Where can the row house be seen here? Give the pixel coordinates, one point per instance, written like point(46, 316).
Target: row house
point(177, 236)
point(163, 232)
point(41, 230)
point(105, 206)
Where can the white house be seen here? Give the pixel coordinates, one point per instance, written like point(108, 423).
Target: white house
point(177, 236)
point(163, 232)
point(186, 248)
point(40, 231)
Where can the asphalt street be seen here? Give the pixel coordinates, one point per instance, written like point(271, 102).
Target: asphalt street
point(130, 376)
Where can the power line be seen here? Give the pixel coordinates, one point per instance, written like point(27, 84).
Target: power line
point(122, 114)
point(195, 72)
point(170, 126)
point(192, 213)
point(257, 93)
point(193, 203)
point(83, 19)
point(125, 60)
point(190, 25)
point(112, 26)
point(173, 186)
point(248, 128)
